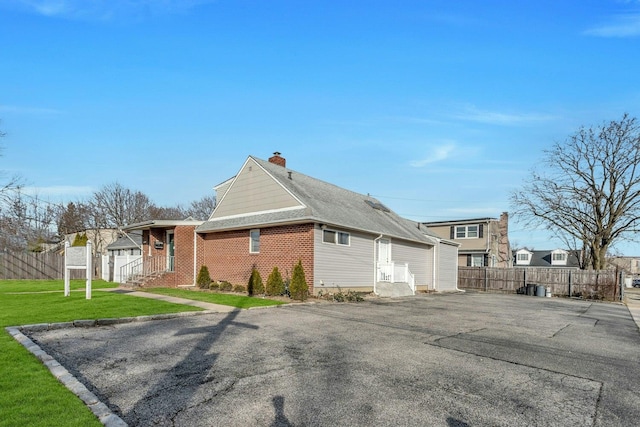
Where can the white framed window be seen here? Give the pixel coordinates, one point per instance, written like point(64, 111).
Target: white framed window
point(477, 260)
point(254, 241)
point(558, 257)
point(336, 237)
point(523, 257)
point(467, 232)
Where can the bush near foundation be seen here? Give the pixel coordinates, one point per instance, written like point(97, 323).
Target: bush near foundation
point(255, 286)
point(298, 288)
point(225, 286)
point(275, 284)
point(239, 288)
point(204, 279)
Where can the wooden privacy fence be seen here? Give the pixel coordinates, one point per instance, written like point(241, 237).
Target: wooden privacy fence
point(35, 266)
point(592, 284)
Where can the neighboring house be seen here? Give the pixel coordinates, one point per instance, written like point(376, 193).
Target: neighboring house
point(546, 258)
point(126, 250)
point(100, 239)
point(484, 242)
point(629, 264)
point(127, 244)
point(269, 215)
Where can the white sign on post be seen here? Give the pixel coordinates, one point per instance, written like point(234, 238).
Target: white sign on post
point(77, 258)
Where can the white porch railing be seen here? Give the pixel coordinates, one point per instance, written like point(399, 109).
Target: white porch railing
point(145, 267)
point(396, 273)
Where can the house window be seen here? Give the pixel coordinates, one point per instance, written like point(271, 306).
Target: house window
point(335, 237)
point(467, 232)
point(254, 241)
point(477, 260)
point(558, 258)
point(523, 257)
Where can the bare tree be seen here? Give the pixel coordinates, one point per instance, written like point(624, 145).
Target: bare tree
point(170, 212)
point(73, 217)
point(27, 222)
point(202, 209)
point(13, 183)
point(116, 206)
point(587, 190)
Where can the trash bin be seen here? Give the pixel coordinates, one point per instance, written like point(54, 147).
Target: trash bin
point(531, 289)
point(540, 291)
point(548, 295)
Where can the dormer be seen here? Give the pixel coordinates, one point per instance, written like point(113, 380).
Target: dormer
point(523, 257)
point(559, 257)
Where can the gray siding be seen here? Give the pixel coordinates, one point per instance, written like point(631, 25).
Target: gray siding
point(253, 191)
point(344, 266)
point(447, 267)
point(416, 255)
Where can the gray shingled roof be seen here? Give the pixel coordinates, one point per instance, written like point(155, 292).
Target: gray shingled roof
point(327, 204)
point(125, 242)
point(542, 258)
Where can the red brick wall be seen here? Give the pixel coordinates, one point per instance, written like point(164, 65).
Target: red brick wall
point(183, 255)
point(227, 256)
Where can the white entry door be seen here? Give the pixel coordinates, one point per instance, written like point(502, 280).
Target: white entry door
point(384, 251)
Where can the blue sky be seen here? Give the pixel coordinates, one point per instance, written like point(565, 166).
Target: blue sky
point(438, 108)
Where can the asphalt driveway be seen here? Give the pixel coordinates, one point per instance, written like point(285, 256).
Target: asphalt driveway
point(439, 360)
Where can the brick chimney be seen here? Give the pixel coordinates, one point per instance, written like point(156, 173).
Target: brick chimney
point(277, 160)
point(504, 247)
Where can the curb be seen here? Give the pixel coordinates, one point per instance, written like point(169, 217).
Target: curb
point(98, 408)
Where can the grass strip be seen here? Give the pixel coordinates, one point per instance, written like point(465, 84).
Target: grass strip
point(238, 301)
point(29, 394)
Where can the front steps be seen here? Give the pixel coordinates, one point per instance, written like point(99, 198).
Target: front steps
point(391, 290)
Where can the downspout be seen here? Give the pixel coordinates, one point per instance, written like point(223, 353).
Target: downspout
point(375, 264)
point(436, 251)
point(195, 255)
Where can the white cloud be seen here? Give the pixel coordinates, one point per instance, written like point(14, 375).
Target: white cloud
point(619, 26)
point(436, 154)
point(471, 113)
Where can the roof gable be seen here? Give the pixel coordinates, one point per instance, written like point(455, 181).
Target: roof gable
point(309, 200)
point(252, 191)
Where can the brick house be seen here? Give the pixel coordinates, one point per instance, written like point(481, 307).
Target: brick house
point(269, 215)
point(168, 251)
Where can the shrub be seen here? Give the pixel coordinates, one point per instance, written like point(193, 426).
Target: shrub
point(204, 279)
point(275, 284)
point(298, 288)
point(225, 286)
point(214, 286)
point(81, 239)
point(255, 286)
point(239, 288)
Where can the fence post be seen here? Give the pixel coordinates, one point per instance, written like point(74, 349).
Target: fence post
point(569, 283)
point(486, 285)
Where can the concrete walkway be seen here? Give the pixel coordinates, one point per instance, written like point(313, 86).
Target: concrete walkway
point(219, 308)
point(632, 299)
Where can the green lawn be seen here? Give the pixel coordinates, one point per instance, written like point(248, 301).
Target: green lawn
point(239, 301)
point(29, 394)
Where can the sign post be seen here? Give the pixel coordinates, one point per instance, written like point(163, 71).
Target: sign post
point(77, 258)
